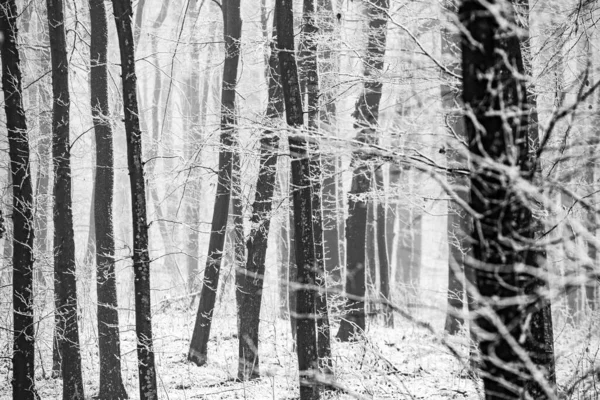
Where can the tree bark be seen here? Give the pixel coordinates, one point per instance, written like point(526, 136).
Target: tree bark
point(65, 284)
point(382, 249)
point(366, 117)
point(141, 258)
point(23, 360)
point(505, 230)
point(308, 42)
point(251, 278)
point(109, 344)
point(232, 34)
point(306, 335)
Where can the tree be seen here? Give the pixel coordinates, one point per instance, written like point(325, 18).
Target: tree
point(141, 259)
point(65, 284)
point(498, 126)
point(306, 335)
point(23, 360)
point(250, 279)
point(458, 227)
point(310, 75)
point(197, 110)
point(366, 116)
point(232, 34)
point(111, 384)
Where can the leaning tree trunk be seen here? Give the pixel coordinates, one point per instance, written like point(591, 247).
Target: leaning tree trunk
point(65, 283)
point(306, 335)
point(232, 35)
point(141, 258)
point(505, 230)
point(366, 117)
point(111, 383)
point(23, 360)
point(251, 278)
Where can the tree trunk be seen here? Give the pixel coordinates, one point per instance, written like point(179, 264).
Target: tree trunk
point(308, 42)
point(366, 117)
point(329, 67)
point(459, 225)
point(306, 335)
point(109, 344)
point(232, 34)
point(141, 258)
point(198, 109)
point(42, 185)
point(65, 284)
point(505, 228)
point(382, 249)
point(251, 278)
point(23, 360)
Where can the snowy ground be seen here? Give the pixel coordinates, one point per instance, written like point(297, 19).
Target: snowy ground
point(406, 362)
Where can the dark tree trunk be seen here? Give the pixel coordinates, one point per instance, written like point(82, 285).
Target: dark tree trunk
point(251, 278)
point(382, 249)
point(23, 360)
point(308, 42)
point(459, 224)
point(109, 345)
point(141, 258)
point(505, 230)
point(65, 284)
point(306, 335)
point(232, 34)
point(353, 323)
point(366, 117)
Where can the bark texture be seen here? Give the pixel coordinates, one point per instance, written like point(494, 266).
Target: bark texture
point(499, 129)
point(306, 335)
point(23, 359)
point(65, 284)
point(141, 260)
point(109, 344)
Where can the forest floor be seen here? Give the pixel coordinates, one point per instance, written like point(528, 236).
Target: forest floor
point(405, 362)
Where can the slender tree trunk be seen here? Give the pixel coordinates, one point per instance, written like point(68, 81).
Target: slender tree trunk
point(366, 117)
point(42, 185)
point(198, 107)
point(371, 252)
point(23, 360)
point(64, 242)
point(382, 249)
point(459, 224)
point(505, 227)
point(109, 344)
point(251, 278)
point(141, 258)
point(306, 335)
point(328, 67)
point(232, 34)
